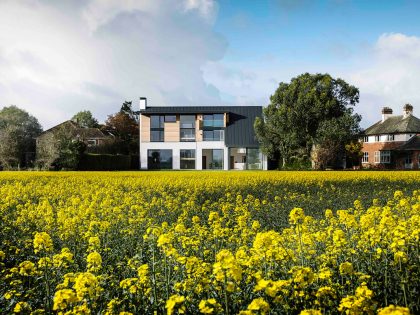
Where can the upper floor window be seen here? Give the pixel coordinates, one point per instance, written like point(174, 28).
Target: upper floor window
point(377, 138)
point(390, 137)
point(187, 127)
point(157, 125)
point(213, 120)
point(170, 118)
point(213, 135)
point(366, 139)
point(157, 121)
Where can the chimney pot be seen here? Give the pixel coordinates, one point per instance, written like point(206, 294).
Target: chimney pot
point(407, 110)
point(386, 113)
point(143, 103)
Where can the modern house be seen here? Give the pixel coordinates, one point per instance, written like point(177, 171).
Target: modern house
point(199, 137)
point(393, 142)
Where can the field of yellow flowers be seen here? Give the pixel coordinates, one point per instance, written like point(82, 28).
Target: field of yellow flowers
point(210, 242)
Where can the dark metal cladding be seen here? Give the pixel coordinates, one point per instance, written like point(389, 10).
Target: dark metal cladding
point(240, 127)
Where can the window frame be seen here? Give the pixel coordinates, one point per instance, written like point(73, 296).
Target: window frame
point(365, 157)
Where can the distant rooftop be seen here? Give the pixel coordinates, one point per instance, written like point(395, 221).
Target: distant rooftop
point(395, 124)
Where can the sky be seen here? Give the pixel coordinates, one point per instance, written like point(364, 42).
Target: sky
point(61, 57)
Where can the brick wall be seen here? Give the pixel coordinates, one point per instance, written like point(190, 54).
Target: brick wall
point(372, 147)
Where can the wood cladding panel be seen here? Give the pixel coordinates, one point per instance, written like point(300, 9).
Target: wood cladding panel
point(172, 131)
point(145, 128)
point(198, 131)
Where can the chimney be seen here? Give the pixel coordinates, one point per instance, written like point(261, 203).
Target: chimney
point(386, 113)
point(407, 110)
point(143, 103)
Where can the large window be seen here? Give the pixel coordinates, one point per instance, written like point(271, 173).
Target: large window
point(212, 159)
point(382, 156)
point(217, 161)
point(187, 159)
point(157, 123)
point(254, 159)
point(214, 135)
point(365, 158)
point(213, 120)
point(159, 159)
point(187, 127)
point(385, 156)
point(213, 127)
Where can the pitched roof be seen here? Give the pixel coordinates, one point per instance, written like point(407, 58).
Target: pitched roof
point(84, 133)
point(395, 124)
point(90, 133)
point(411, 145)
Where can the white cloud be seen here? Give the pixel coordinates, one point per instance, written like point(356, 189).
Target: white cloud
point(59, 57)
point(386, 73)
point(388, 76)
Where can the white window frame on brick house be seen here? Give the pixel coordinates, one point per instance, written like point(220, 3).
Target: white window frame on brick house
point(377, 138)
point(366, 139)
point(390, 137)
point(377, 157)
point(365, 157)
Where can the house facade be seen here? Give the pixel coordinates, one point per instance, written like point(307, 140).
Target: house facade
point(393, 142)
point(199, 138)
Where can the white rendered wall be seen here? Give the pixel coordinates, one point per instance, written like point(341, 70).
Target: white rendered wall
point(177, 146)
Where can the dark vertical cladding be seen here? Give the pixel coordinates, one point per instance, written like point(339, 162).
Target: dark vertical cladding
point(240, 128)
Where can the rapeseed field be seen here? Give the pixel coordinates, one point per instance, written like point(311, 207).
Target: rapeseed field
point(210, 242)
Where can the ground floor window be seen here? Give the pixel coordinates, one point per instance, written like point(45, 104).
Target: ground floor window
point(212, 159)
point(385, 156)
point(365, 158)
point(245, 159)
point(187, 159)
point(382, 156)
point(159, 159)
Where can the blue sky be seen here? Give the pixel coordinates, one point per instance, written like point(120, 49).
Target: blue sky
point(59, 57)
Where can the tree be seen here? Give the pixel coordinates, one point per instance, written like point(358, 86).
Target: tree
point(85, 119)
point(18, 131)
point(60, 149)
point(126, 130)
point(305, 114)
point(127, 108)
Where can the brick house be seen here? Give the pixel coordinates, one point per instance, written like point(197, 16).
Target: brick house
point(92, 137)
point(393, 142)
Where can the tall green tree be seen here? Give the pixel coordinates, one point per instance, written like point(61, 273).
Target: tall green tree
point(59, 149)
point(18, 130)
point(305, 114)
point(85, 119)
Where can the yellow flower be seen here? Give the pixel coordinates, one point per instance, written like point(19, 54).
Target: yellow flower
point(175, 303)
point(209, 306)
point(296, 216)
point(94, 262)
point(86, 285)
point(21, 307)
point(259, 304)
point(26, 268)
point(63, 298)
point(346, 268)
point(42, 242)
point(310, 312)
point(394, 310)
